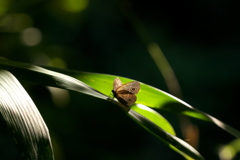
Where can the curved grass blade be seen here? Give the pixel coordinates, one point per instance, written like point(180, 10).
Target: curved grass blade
point(36, 74)
point(23, 119)
point(154, 117)
point(101, 86)
point(161, 128)
point(151, 97)
point(173, 142)
point(48, 77)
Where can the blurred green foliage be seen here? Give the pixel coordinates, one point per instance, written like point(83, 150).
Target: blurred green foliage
point(199, 38)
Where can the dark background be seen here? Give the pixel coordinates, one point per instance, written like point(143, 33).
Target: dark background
point(199, 38)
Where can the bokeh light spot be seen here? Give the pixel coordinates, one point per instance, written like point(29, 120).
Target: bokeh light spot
point(57, 62)
point(15, 22)
point(74, 5)
point(3, 6)
point(31, 36)
point(227, 153)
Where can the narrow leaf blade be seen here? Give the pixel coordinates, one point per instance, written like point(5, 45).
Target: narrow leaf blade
point(24, 120)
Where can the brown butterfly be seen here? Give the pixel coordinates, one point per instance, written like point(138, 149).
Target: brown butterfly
point(125, 93)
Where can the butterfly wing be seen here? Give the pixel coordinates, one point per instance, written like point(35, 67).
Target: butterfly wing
point(116, 84)
point(131, 87)
point(127, 99)
point(125, 93)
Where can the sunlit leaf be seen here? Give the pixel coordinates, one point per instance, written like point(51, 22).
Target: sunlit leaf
point(100, 86)
point(156, 124)
point(23, 119)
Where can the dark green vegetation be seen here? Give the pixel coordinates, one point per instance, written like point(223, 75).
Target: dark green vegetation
point(199, 40)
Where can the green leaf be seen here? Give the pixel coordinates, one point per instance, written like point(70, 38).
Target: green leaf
point(173, 142)
point(154, 117)
point(100, 85)
point(23, 119)
point(150, 96)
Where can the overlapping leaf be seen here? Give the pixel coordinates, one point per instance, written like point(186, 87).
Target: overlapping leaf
point(100, 85)
point(23, 119)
